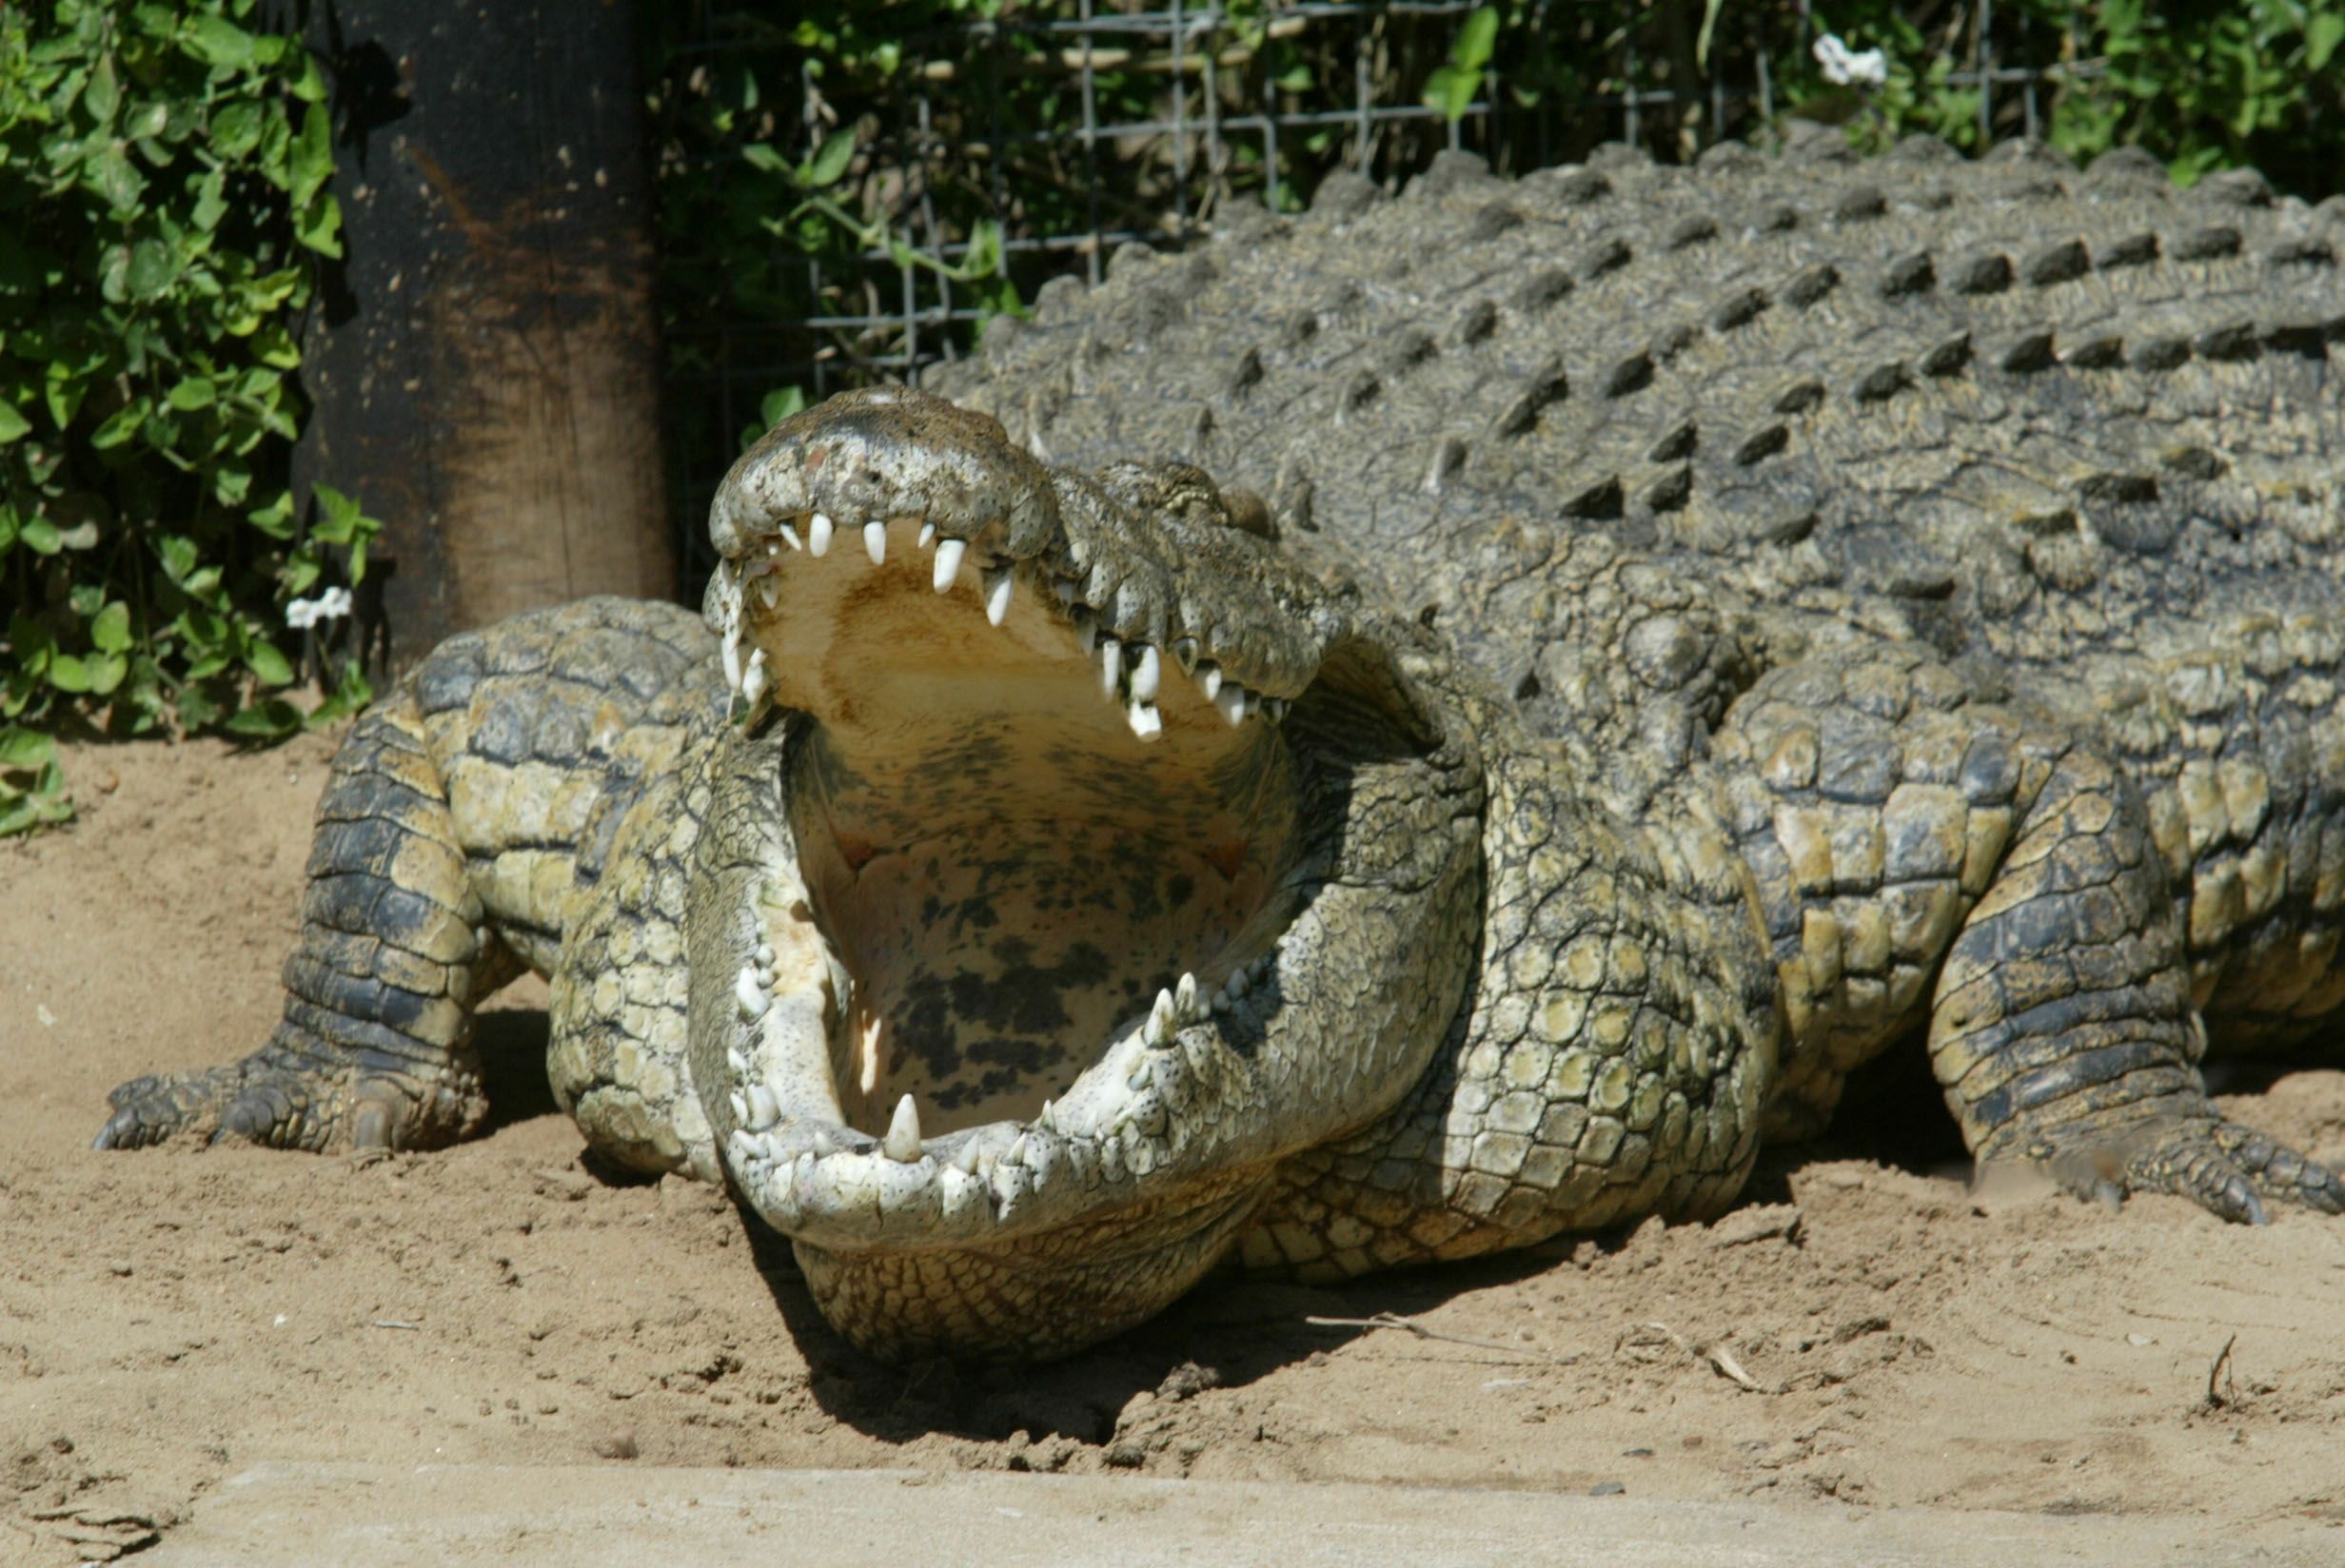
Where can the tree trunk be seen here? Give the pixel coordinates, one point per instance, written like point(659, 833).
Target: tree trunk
point(485, 367)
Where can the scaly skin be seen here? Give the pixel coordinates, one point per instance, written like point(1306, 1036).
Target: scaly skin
point(1680, 633)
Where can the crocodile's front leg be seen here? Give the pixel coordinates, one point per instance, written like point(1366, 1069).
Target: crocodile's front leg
point(460, 820)
point(374, 1049)
point(1613, 1059)
point(1929, 853)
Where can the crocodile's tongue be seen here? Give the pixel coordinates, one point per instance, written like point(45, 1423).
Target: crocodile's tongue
point(1008, 872)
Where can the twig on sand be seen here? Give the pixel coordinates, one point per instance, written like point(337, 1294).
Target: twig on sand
point(1722, 1361)
point(394, 1323)
point(2222, 1369)
point(1410, 1326)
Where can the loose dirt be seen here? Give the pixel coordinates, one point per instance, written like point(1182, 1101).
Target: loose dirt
point(1865, 1332)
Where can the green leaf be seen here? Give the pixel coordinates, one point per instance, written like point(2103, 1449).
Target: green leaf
point(831, 160)
point(103, 94)
point(64, 390)
point(340, 516)
point(41, 536)
point(276, 519)
point(152, 269)
point(779, 405)
point(211, 203)
point(313, 155)
point(106, 672)
point(69, 674)
point(218, 42)
point(25, 749)
point(14, 427)
point(121, 425)
point(1474, 40)
point(236, 130)
point(178, 554)
point(269, 720)
point(264, 661)
point(110, 630)
point(319, 226)
point(195, 393)
point(2323, 32)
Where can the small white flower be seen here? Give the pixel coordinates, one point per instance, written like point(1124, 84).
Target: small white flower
point(1845, 68)
point(304, 612)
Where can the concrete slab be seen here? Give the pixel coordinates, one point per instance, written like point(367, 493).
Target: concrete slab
point(363, 1516)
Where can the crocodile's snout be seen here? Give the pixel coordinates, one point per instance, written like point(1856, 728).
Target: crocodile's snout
point(1065, 803)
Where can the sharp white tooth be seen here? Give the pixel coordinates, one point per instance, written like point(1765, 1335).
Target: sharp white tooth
point(764, 955)
point(740, 1105)
point(998, 583)
point(1139, 1080)
point(1230, 699)
point(733, 664)
point(1111, 665)
point(1044, 1120)
point(1161, 1021)
point(1185, 996)
point(824, 1146)
point(902, 1144)
point(1185, 654)
point(789, 532)
point(928, 534)
point(1064, 588)
point(765, 1111)
point(734, 1059)
point(819, 535)
point(1209, 678)
point(1086, 628)
point(769, 590)
point(1146, 671)
point(754, 682)
point(965, 1158)
point(772, 547)
point(876, 541)
point(1145, 721)
point(1018, 1151)
point(752, 999)
point(949, 553)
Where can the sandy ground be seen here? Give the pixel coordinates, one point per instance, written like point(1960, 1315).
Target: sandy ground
point(1864, 1333)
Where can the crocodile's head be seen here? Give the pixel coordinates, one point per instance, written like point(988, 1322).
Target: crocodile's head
point(1116, 859)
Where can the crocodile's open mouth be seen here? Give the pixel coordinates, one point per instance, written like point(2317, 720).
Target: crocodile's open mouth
point(1084, 860)
point(1016, 832)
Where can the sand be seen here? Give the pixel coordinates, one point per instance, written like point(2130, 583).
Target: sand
point(1865, 1334)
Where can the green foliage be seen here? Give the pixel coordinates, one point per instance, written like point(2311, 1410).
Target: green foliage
point(2203, 85)
point(164, 174)
point(1452, 88)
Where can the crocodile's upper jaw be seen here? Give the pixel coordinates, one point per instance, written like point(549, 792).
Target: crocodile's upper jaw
point(1058, 860)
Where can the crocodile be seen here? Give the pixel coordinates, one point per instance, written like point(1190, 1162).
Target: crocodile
point(1411, 728)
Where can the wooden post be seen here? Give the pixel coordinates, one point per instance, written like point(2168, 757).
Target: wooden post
point(484, 367)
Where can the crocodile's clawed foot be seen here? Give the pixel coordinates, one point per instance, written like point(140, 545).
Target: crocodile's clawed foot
point(261, 1103)
point(149, 1110)
point(2225, 1169)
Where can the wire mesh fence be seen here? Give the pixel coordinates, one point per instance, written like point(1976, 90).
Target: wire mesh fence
point(843, 208)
